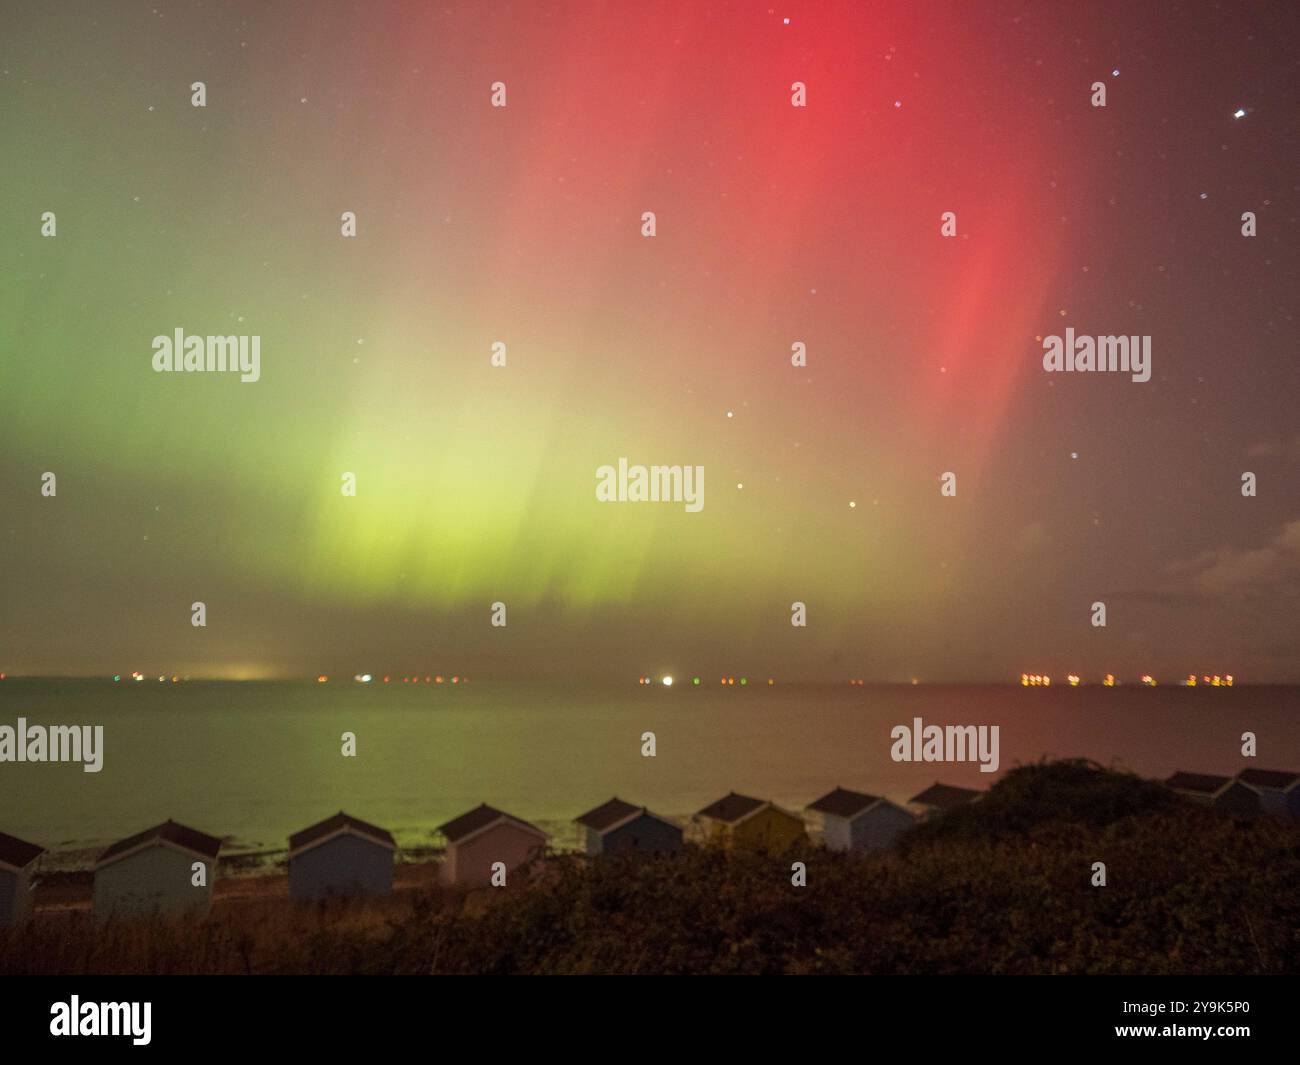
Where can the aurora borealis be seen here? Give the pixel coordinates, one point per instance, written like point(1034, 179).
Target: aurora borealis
point(775, 225)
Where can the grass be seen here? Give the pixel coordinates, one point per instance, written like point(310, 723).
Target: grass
point(1003, 886)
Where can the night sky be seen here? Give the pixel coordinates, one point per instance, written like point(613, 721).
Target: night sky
point(775, 225)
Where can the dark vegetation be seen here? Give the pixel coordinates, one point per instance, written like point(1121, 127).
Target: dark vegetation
point(1003, 886)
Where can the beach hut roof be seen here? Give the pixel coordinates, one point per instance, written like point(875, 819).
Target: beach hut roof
point(844, 803)
point(945, 796)
point(170, 833)
point(1273, 779)
point(733, 808)
point(481, 818)
point(1200, 783)
point(338, 825)
point(17, 853)
point(615, 814)
point(607, 815)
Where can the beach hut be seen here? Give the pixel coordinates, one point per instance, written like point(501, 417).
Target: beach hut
point(17, 861)
point(1278, 790)
point(1223, 793)
point(617, 826)
point(476, 841)
point(938, 799)
point(853, 821)
point(739, 821)
point(340, 856)
point(155, 873)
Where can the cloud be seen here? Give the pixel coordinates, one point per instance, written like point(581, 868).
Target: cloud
point(1267, 449)
point(1228, 570)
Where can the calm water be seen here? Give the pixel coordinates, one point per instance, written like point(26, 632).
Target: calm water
point(255, 762)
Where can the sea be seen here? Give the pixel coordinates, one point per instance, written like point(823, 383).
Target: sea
point(253, 762)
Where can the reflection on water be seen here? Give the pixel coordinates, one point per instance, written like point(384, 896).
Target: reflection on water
point(256, 761)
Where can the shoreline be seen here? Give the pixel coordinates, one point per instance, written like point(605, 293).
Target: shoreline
point(70, 892)
point(1023, 853)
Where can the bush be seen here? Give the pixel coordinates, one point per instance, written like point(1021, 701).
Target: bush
point(1003, 886)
